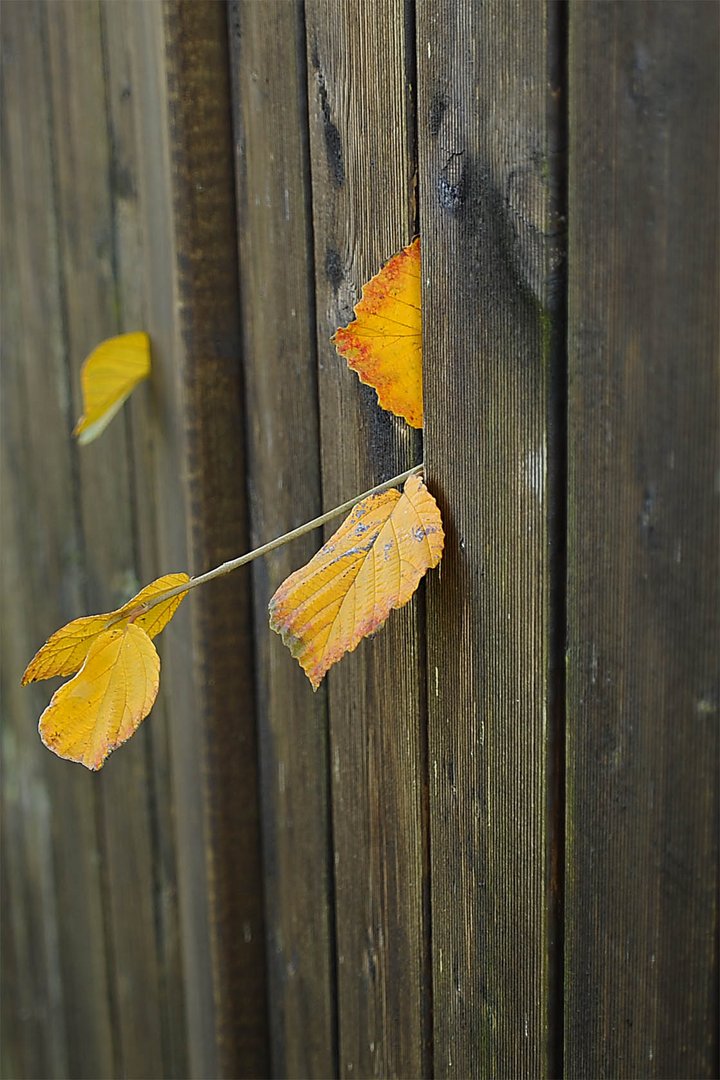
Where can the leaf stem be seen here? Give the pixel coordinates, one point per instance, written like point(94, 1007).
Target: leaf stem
point(279, 541)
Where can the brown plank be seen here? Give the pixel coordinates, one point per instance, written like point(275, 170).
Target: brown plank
point(86, 188)
point(58, 898)
point(363, 184)
point(277, 288)
point(643, 602)
point(145, 443)
point(183, 116)
point(33, 1041)
point(487, 134)
point(179, 685)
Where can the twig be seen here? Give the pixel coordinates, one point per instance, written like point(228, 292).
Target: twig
point(279, 541)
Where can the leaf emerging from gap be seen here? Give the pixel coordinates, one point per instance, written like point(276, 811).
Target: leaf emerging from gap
point(109, 375)
point(104, 704)
point(384, 342)
point(372, 564)
point(65, 652)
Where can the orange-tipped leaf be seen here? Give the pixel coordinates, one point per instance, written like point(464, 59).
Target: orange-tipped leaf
point(372, 564)
point(383, 344)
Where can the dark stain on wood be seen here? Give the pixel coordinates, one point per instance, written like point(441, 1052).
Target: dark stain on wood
point(333, 141)
point(490, 740)
point(334, 268)
point(438, 105)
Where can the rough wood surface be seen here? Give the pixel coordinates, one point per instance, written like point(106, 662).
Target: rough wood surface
point(146, 444)
point(277, 289)
point(179, 684)
point(112, 230)
point(34, 1038)
point(184, 127)
point(88, 270)
point(641, 963)
point(486, 161)
point(63, 1022)
point(359, 59)
point(409, 910)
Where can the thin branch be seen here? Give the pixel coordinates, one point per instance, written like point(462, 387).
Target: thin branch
point(309, 526)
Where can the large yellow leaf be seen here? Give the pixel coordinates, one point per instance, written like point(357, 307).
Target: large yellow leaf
point(104, 704)
point(372, 564)
point(109, 375)
point(65, 651)
point(384, 342)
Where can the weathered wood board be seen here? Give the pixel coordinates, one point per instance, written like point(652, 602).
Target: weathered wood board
point(643, 599)
point(280, 366)
point(185, 149)
point(62, 874)
point(85, 186)
point(361, 118)
point(487, 137)
point(489, 843)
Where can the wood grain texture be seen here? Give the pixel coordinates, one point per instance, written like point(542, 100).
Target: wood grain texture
point(208, 339)
point(361, 118)
point(32, 1021)
point(179, 684)
point(145, 444)
point(182, 117)
point(642, 855)
point(109, 229)
point(279, 358)
point(489, 255)
point(88, 264)
point(50, 809)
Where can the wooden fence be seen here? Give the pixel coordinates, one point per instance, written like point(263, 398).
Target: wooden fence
point(488, 846)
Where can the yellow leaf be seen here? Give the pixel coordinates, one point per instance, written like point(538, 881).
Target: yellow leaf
point(65, 651)
point(372, 564)
point(104, 704)
point(384, 343)
point(109, 375)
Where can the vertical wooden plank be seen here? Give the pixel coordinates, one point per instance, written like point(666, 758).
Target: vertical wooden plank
point(209, 326)
point(86, 187)
point(486, 142)
point(32, 1023)
point(144, 441)
point(179, 685)
point(49, 543)
point(363, 181)
point(184, 127)
point(643, 602)
point(276, 269)
point(33, 1042)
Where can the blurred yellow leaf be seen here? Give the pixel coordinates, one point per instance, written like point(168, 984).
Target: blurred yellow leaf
point(109, 375)
point(103, 705)
point(65, 651)
point(372, 564)
point(384, 343)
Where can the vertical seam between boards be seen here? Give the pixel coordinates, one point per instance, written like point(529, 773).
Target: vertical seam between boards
point(303, 79)
point(411, 80)
point(558, 23)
